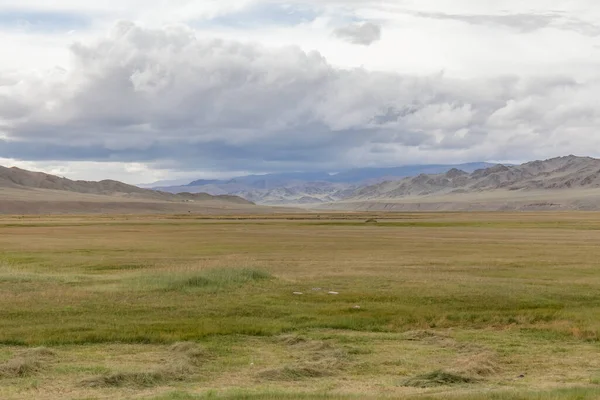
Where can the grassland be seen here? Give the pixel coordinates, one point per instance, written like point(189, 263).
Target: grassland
point(428, 306)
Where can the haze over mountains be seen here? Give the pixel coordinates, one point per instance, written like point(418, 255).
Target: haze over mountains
point(560, 183)
point(302, 188)
point(564, 183)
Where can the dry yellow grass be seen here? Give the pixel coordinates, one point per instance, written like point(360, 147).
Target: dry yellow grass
point(428, 306)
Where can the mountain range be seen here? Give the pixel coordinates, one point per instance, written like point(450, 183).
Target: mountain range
point(563, 183)
point(305, 188)
point(569, 182)
point(560, 183)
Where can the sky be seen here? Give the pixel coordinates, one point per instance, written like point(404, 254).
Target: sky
point(150, 90)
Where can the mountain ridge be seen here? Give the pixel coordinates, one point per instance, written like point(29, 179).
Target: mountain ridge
point(556, 173)
point(568, 182)
point(20, 179)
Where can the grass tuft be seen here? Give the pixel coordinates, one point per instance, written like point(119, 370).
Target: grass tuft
point(234, 276)
point(19, 368)
point(190, 352)
point(185, 358)
point(436, 378)
point(421, 335)
point(175, 372)
point(318, 359)
point(126, 379)
point(288, 373)
point(26, 364)
point(481, 365)
point(292, 340)
point(210, 279)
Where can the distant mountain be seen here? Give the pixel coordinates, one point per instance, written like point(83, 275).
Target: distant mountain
point(202, 182)
point(299, 194)
point(369, 174)
point(560, 183)
point(269, 181)
point(165, 183)
point(300, 188)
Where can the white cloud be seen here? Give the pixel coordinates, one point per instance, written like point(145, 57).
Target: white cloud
point(165, 96)
point(88, 170)
point(365, 33)
point(184, 89)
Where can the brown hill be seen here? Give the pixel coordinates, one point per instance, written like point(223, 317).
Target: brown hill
point(25, 192)
point(560, 183)
point(16, 177)
point(557, 173)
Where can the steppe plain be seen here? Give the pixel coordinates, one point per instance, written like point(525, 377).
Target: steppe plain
point(422, 306)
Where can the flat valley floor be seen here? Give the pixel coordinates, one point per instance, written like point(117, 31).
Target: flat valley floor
point(330, 306)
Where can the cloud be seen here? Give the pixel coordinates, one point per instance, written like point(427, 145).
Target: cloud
point(523, 22)
point(365, 33)
point(169, 99)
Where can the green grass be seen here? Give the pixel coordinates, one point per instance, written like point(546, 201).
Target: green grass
point(248, 396)
point(560, 394)
point(212, 279)
point(480, 299)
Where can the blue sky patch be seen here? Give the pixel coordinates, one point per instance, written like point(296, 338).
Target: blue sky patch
point(264, 14)
point(38, 21)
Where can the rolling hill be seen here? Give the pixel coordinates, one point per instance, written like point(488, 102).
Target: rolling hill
point(28, 192)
